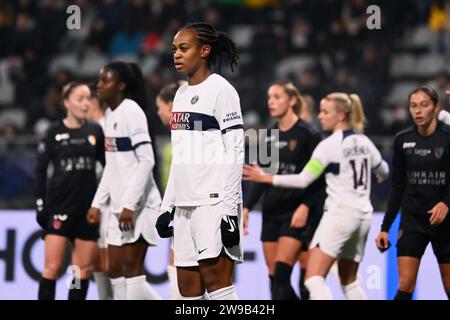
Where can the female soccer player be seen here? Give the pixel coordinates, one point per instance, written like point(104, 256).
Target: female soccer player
point(164, 102)
point(127, 181)
point(346, 158)
point(96, 113)
point(420, 189)
point(206, 171)
point(289, 216)
point(73, 146)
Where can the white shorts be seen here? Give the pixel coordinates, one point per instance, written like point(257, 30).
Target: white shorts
point(144, 225)
point(197, 235)
point(103, 230)
point(342, 235)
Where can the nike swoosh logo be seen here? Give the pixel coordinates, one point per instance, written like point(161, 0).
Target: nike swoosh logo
point(200, 251)
point(231, 222)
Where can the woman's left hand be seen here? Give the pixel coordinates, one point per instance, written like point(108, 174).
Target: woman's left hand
point(438, 213)
point(256, 174)
point(126, 220)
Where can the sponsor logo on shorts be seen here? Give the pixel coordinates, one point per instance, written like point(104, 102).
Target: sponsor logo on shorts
point(58, 220)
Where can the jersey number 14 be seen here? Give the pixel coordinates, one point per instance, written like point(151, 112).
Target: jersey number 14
point(360, 179)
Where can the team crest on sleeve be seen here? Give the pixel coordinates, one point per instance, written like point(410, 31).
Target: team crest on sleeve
point(92, 140)
point(194, 99)
point(438, 152)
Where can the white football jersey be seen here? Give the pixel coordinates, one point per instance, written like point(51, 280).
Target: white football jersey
point(348, 158)
point(201, 115)
point(125, 129)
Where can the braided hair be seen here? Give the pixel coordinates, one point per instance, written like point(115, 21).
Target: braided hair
point(131, 75)
point(222, 46)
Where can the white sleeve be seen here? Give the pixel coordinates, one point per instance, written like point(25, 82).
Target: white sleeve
point(168, 201)
point(228, 115)
point(137, 126)
point(444, 116)
point(382, 170)
point(102, 194)
point(300, 180)
point(320, 159)
point(234, 161)
point(379, 166)
point(228, 109)
point(140, 177)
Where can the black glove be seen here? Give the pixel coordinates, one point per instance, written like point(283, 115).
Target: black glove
point(162, 224)
point(42, 219)
point(229, 228)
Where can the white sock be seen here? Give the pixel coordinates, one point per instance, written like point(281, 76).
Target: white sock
point(354, 291)
point(227, 293)
point(119, 288)
point(104, 287)
point(191, 298)
point(318, 289)
point(174, 292)
point(334, 270)
point(139, 289)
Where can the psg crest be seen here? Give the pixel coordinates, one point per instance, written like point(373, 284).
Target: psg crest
point(194, 99)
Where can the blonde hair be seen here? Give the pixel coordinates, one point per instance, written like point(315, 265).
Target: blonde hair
point(292, 91)
point(352, 106)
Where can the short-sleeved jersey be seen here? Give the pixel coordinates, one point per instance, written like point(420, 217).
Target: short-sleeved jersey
point(73, 154)
point(348, 158)
point(200, 115)
point(421, 172)
point(125, 129)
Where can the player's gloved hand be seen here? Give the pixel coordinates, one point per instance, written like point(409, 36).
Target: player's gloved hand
point(229, 228)
point(163, 224)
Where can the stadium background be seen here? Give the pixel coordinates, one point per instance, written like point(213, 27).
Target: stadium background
point(320, 45)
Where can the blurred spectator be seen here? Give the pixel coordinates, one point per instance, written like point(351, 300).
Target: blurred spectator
point(106, 24)
point(51, 25)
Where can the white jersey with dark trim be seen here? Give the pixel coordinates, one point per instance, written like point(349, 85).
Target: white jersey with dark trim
point(348, 158)
point(125, 129)
point(206, 126)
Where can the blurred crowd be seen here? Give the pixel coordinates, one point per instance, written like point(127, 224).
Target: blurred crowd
point(320, 45)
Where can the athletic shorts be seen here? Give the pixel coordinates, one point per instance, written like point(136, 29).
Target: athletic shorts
point(273, 229)
point(104, 220)
point(343, 233)
point(415, 233)
point(72, 226)
point(143, 225)
point(197, 235)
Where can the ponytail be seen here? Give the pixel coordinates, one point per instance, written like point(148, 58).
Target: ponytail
point(131, 75)
point(357, 117)
point(351, 105)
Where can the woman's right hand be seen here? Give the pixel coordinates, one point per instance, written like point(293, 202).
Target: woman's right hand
point(382, 241)
point(93, 216)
